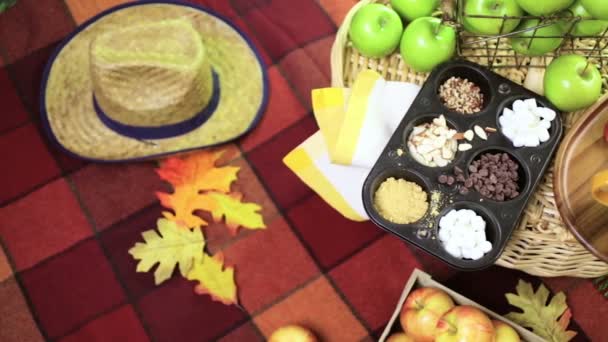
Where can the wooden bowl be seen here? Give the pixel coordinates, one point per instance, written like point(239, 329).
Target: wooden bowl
point(583, 154)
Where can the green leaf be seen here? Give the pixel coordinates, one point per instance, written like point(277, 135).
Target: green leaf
point(549, 321)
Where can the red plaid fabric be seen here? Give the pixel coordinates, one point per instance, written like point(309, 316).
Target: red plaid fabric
point(66, 225)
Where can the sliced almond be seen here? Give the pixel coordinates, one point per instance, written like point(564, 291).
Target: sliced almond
point(480, 133)
point(439, 142)
point(417, 130)
point(425, 148)
point(446, 153)
point(440, 121)
point(441, 162)
point(469, 135)
point(464, 147)
point(490, 129)
point(458, 136)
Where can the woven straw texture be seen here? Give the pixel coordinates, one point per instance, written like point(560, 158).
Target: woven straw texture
point(541, 245)
point(151, 74)
point(68, 93)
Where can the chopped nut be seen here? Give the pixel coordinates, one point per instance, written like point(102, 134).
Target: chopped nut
point(469, 135)
point(464, 147)
point(480, 133)
point(461, 95)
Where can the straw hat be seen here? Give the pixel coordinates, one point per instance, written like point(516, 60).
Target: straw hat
point(151, 78)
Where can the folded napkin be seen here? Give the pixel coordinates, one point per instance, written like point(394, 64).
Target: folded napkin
point(354, 127)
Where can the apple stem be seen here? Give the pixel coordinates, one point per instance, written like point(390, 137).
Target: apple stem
point(439, 26)
point(586, 66)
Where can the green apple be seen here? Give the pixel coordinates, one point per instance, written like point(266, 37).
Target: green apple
point(597, 8)
point(427, 43)
point(411, 10)
point(544, 7)
point(375, 30)
point(570, 84)
point(498, 8)
point(524, 44)
point(585, 27)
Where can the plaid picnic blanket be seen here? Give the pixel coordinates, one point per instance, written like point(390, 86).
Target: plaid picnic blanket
point(66, 225)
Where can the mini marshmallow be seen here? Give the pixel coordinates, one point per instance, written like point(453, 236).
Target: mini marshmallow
point(444, 234)
point(453, 249)
point(463, 235)
point(476, 254)
point(467, 253)
point(526, 125)
point(485, 246)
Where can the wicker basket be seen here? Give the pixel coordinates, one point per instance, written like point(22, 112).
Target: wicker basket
point(541, 245)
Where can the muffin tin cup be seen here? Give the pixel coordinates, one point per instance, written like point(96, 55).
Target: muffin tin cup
point(501, 217)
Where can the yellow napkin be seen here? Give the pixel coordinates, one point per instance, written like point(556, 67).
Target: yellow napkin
point(354, 127)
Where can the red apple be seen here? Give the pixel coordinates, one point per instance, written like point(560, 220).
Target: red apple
point(465, 324)
point(400, 337)
point(422, 310)
point(504, 332)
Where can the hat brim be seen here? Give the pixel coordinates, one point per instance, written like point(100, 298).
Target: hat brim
point(71, 121)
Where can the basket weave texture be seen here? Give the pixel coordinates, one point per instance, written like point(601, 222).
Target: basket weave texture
point(541, 245)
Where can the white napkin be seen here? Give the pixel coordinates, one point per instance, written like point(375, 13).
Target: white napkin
point(355, 126)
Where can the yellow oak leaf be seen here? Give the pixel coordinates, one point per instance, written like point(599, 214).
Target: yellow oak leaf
point(171, 247)
point(237, 213)
point(549, 320)
point(213, 279)
point(189, 176)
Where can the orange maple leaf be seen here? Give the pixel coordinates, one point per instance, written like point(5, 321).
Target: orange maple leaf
point(213, 279)
point(189, 176)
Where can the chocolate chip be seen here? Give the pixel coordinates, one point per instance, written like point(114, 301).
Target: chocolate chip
point(460, 178)
point(494, 176)
point(451, 180)
point(458, 171)
point(443, 179)
point(463, 190)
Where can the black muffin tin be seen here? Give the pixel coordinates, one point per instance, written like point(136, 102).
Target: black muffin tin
point(501, 217)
